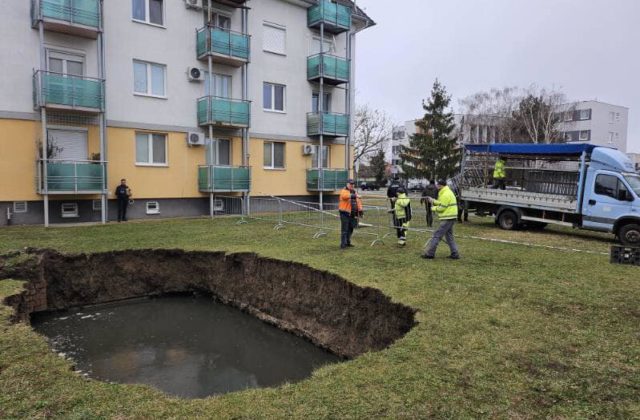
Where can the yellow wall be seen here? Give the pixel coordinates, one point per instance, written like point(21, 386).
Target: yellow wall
point(179, 179)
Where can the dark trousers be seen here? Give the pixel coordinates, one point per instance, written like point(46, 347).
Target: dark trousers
point(401, 231)
point(445, 230)
point(463, 212)
point(122, 209)
point(347, 225)
point(429, 214)
point(499, 183)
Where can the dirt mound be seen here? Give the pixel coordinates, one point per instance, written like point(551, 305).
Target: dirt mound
point(337, 315)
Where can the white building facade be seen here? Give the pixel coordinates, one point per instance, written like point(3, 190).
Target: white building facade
point(595, 123)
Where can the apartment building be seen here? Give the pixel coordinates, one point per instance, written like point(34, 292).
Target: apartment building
point(596, 123)
point(190, 102)
point(400, 135)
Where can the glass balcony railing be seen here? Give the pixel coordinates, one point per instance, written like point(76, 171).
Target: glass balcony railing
point(334, 70)
point(71, 177)
point(332, 179)
point(70, 92)
point(335, 17)
point(60, 15)
point(213, 110)
point(224, 178)
point(223, 45)
point(327, 124)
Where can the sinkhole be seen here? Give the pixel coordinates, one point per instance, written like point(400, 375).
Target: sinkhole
point(195, 324)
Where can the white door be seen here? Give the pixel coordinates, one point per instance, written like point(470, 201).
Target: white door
point(68, 144)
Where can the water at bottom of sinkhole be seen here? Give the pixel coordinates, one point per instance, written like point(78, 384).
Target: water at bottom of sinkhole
point(191, 347)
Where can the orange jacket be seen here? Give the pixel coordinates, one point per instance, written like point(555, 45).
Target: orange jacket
point(345, 201)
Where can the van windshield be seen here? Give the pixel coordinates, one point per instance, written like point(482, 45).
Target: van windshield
point(634, 183)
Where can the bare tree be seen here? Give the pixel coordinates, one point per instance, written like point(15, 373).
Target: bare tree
point(372, 129)
point(539, 114)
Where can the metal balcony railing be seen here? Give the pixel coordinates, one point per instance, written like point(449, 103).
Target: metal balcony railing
point(224, 45)
point(71, 176)
point(233, 113)
point(333, 69)
point(212, 178)
point(327, 124)
point(332, 179)
point(336, 17)
point(85, 14)
point(69, 92)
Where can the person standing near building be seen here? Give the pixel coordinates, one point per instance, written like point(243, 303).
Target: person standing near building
point(123, 194)
point(350, 208)
point(446, 207)
point(429, 191)
point(402, 213)
point(499, 174)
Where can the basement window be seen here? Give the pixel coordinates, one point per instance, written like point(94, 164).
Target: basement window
point(153, 207)
point(218, 205)
point(97, 205)
point(19, 206)
point(69, 210)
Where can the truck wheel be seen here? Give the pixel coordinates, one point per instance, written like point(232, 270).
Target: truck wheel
point(630, 235)
point(508, 220)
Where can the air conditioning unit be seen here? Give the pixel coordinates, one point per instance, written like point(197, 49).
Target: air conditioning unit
point(193, 4)
point(194, 74)
point(195, 139)
point(308, 149)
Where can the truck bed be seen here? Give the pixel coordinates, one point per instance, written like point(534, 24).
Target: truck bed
point(519, 198)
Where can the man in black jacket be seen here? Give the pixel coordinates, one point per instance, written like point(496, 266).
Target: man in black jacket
point(123, 193)
point(429, 191)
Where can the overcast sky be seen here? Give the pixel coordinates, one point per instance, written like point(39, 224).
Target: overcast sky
point(589, 49)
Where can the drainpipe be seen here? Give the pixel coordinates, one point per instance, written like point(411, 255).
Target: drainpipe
point(245, 96)
point(321, 114)
point(209, 99)
point(103, 117)
point(43, 115)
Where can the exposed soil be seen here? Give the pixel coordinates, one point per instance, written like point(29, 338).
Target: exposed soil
point(334, 314)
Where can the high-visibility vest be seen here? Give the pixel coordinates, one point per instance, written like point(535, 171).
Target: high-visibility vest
point(345, 201)
point(401, 206)
point(446, 206)
point(499, 171)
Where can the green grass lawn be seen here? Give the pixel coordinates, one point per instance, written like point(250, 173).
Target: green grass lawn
point(508, 331)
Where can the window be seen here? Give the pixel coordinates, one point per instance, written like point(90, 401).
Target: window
point(274, 155)
point(221, 85)
point(325, 156)
point(64, 63)
point(399, 134)
point(69, 210)
point(611, 186)
point(96, 205)
point(153, 207)
point(149, 79)
point(315, 46)
point(218, 152)
point(633, 180)
point(326, 103)
point(19, 206)
point(568, 116)
point(273, 97)
point(151, 149)
point(274, 38)
point(611, 134)
point(148, 11)
point(218, 20)
point(585, 135)
point(617, 116)
point(585, 114)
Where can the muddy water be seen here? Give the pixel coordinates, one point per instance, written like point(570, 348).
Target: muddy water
point(186, 346)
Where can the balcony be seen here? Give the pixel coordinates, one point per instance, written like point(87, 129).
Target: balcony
point(73, 17)
point(335, 17)
point(224, 178)
point(334, 70)
point(327, 124)
point(60, 91)
point(224, 46)
point(71, 177)
point(332, 179)
point(223, 112)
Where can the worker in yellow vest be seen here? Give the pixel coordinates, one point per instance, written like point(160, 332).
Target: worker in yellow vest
point(499, 174)
point(402, 213)
point(446, 206)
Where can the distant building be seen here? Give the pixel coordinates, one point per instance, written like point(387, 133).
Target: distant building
point(399, 139)
point(635, 158)
point(595, 123)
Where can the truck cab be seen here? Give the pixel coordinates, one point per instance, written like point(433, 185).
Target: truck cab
point(611, 199)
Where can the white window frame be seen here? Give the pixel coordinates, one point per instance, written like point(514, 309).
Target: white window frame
point(20, 207)
point(584, 114)
point(152, 207)
point(316, 39)
point(273, 98)
point(149, 91)
point(214, 78)
point(611, 134)
point(70, 212)
point(216, 15)
point(272, 25)
point(568, 116)
point(147, 14)
point(328, 96)
point(586, 138)
point(96, 205)
point(150, 146)
point(273, 157)
point(316, 158)
point(66, 56)
point(216, 141)
point(218, 205)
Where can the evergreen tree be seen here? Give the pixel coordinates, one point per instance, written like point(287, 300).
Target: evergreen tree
point(379, 167)
point(433, 152)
